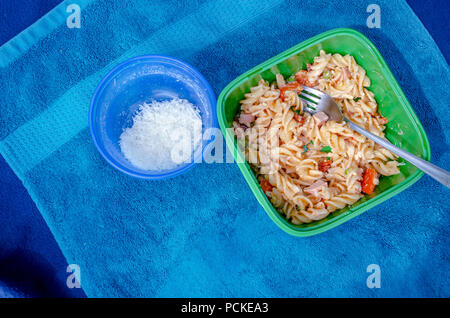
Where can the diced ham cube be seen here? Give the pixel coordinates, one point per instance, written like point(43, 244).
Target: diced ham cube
point(347, 73)
point(239, 132)
point(303, 140)
point(315, 187)
point(321, 116)
point(246, 119)
point(239, 129)
point(280, 81)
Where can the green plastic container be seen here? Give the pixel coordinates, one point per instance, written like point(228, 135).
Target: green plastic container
point(403, 129)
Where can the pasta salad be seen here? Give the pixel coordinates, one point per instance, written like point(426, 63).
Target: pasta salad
point(309, 166)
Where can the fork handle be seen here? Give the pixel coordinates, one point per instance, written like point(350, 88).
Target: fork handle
point(433, 171)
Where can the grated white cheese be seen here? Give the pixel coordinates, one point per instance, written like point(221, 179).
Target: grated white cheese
point(163, 135)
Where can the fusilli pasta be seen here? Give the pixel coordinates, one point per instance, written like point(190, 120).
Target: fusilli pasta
point(308, 166)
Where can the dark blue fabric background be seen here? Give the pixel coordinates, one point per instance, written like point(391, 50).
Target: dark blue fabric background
point(31, 263)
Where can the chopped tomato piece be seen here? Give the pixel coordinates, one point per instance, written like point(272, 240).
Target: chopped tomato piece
point(266, 186)
point(291, 86)
point(325, 165)
point(368, 181)
point(302, 78)
point(299, 118)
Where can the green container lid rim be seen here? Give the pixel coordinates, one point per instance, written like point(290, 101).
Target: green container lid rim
point(348, 215)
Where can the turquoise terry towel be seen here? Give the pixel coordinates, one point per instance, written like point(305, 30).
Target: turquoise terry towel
point(203, 233)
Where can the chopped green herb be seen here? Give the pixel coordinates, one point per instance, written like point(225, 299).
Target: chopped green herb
point(305, 148)
point(311, 142)
point(291, 79)
point(327, 74)
point(295, 111)
point(326, 149)
point(356, 99)
point(328, 158)
point(297, 208)
point(347, 170)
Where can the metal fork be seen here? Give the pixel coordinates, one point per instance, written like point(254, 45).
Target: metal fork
point(317, 101)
